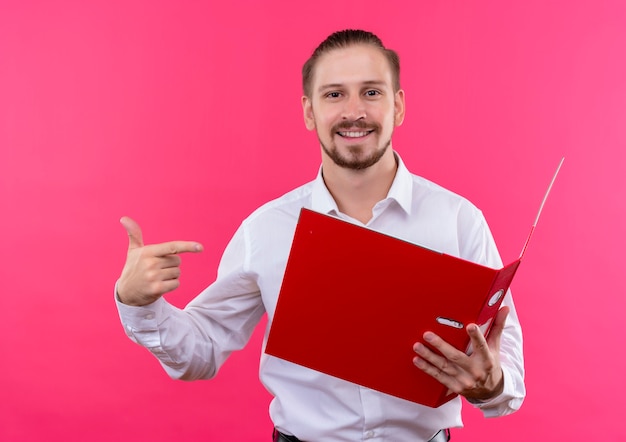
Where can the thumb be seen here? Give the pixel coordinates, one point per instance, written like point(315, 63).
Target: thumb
point(498, 326)
point(135, 238)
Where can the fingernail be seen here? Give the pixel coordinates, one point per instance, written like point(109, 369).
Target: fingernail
point(419, 362)
point(429, 336)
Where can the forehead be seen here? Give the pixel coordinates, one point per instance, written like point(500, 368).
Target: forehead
point(352, 65)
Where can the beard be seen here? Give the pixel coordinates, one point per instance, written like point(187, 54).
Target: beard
point(354, 159)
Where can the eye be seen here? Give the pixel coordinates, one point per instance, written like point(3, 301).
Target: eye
point(372, 93)
point(333, 95)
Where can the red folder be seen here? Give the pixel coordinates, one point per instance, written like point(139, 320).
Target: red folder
point(354, 301)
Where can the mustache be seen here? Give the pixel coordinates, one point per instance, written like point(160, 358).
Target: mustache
point(357, 124)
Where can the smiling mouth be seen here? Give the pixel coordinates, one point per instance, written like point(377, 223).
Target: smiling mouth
point(354, 134)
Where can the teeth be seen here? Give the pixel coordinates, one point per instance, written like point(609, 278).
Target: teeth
point(353, 134)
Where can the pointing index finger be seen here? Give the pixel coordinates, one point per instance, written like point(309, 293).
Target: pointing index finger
point(176, 247)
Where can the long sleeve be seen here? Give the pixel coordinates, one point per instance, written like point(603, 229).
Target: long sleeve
point(512, 361)
point(482, 249)
point(194, 342)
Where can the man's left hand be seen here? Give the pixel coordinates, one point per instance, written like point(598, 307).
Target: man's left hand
point(478, 376)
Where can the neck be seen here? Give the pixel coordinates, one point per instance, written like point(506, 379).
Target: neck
point(356, 192)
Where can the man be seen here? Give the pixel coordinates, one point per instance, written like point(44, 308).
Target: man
point(352, 99)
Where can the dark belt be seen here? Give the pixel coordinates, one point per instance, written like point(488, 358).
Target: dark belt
point(277, 436)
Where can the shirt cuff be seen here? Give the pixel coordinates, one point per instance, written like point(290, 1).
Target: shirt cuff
point(141, 322)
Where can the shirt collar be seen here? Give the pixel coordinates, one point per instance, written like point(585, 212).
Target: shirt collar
point(401, 191)
point(321, 199)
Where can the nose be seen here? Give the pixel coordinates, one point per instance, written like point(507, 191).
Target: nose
point(354, 108)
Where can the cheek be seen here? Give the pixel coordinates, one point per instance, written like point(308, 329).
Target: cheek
point(322, 118)
point(388, 121)
point(324, 123)
point(384, 114)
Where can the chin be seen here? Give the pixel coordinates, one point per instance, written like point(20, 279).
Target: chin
point(356, 158)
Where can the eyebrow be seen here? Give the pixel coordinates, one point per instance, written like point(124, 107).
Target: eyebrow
point(339, 85)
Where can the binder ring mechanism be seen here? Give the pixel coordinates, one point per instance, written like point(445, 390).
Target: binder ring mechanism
point(459, 325)
point(495, 298)
point(449, 322)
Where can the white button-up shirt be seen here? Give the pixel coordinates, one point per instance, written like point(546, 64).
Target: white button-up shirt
point(194, 342)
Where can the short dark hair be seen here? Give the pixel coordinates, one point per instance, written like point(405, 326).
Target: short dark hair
point(344, 39)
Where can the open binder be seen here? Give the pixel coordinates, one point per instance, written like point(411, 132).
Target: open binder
point(354, 301)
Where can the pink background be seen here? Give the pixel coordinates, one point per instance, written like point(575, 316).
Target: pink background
point(186, 116)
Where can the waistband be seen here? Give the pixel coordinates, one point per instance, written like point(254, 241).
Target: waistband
point(277, 436)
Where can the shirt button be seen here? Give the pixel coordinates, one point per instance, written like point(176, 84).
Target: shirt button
point(370, 434)
point(149, 316)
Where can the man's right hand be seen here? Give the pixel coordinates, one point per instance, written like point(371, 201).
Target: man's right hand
point(150, 271)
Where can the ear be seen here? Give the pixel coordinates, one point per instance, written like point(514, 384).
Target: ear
point(399, 108)
point(307, 110)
